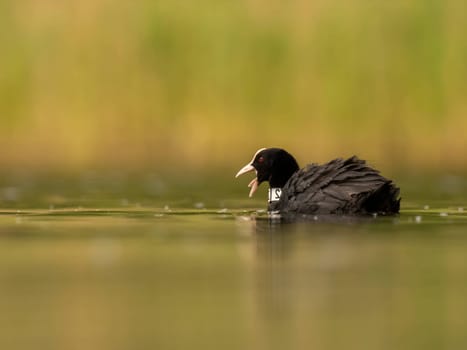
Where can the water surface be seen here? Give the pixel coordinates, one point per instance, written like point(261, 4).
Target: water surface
point(204, 273)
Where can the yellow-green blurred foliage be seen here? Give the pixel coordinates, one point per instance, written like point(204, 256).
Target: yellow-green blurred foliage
point(150, 83)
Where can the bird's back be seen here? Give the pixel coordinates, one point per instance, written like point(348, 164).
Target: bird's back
point(339, 187)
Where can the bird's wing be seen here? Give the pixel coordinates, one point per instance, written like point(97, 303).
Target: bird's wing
point(340, 186)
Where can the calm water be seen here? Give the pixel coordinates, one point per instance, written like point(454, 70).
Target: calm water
point(193, 272)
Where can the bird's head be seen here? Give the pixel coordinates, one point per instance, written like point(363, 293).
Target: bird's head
point(274, 165)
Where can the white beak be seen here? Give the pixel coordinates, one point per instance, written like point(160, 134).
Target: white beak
point(245, 169)
point(254, 183)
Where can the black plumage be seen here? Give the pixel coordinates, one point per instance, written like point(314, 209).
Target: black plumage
point(341, 186)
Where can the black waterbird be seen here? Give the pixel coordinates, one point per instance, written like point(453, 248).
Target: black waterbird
point(341, 186)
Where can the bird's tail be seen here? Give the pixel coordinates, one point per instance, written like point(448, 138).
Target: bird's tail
point(385, 200)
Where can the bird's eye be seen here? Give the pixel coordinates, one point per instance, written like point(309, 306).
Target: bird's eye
point(261, 159)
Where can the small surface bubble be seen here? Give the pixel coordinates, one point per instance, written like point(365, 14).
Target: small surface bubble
point(199, 205)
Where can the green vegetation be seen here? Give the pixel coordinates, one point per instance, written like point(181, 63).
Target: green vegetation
point(136, 85)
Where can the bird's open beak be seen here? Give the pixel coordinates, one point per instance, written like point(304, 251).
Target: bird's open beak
point(254, 183)
point(246, 169)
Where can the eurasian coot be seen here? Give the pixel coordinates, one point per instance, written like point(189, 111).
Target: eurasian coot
point(341, 186)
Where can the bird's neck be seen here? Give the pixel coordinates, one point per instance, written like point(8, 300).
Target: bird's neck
point(277, 182)
point(282, 174)
point(283, 167)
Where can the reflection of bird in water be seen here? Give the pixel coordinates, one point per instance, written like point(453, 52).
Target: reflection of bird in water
point(341, 186)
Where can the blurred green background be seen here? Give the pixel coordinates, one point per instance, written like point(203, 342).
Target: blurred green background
point(190, 84)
